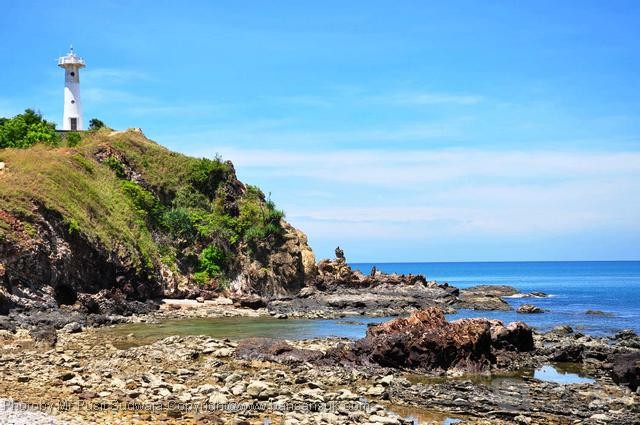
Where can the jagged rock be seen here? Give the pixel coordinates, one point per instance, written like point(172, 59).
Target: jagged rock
point(529, 309)
point(626, 369)
point(425, 340)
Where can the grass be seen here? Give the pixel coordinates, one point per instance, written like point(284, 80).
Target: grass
point(146, 224)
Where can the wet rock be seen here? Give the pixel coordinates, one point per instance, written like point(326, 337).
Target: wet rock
point(529, 309)
point(626, 369)
point(562, 330)
point(274, 350)
point(598, 313)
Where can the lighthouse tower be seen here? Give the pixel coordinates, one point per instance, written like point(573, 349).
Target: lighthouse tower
point(72, 118)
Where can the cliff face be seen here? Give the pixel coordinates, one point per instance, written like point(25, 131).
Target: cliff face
point(120, 216)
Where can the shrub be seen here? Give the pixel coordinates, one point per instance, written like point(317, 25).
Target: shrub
point(212, 260)
point(144, 202)
point(73, 139)
point(116, 165)
point(207, 174)
point(201, 278)
point(73, 226)
point(178, 223)
point(190, 199)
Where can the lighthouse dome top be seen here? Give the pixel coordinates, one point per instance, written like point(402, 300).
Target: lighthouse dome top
point(71, 59)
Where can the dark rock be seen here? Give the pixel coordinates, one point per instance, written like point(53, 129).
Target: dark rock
point(562, 330)
point(46, 335)
point(73, 327)
point(425, 340)
point(252, 302)
point(598, 313)
point(485, 297)
point(529, 309)
point(274, 350)
point(569, 353)
point(625, 334)
point(516, 336)
point(626, 369)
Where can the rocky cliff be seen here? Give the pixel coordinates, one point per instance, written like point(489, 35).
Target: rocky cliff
point(121, 217)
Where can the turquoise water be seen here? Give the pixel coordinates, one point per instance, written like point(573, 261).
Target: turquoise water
point(612, 287)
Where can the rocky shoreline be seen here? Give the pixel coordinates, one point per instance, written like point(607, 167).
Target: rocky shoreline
point(60, 365)
point(83, 377)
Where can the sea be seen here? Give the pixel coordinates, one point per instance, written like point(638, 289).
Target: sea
point(574, 287)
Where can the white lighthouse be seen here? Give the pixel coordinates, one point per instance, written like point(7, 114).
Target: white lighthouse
point(72, 118)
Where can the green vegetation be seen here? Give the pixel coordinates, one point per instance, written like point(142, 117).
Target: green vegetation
point(73, 139)
point(116, 165)
point(96, 124)
point(27, 129)
point(188, 214)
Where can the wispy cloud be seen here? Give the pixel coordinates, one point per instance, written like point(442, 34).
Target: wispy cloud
point(426, 98)
point(451, 192)
point(392, 168)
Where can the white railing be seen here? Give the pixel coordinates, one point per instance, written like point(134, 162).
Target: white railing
point(71, 60)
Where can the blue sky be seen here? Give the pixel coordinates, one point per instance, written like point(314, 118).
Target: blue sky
point(402, 131)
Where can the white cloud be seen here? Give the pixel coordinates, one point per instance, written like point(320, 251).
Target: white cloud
point(426, 98)
point(452, 193)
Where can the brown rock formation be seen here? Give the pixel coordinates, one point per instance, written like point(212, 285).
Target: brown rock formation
point(425, 340)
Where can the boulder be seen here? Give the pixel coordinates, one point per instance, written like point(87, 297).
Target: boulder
point(253, 302)
point(626, 369)
point(529, 309)
point(427, 341)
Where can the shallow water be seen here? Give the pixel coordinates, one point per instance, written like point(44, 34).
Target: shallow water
point(612, 287)
point(235, 328)
point(561, 374)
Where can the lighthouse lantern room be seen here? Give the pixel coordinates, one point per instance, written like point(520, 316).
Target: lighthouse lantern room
point(72, 117)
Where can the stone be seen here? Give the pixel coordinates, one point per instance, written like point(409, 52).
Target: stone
point(72, 328)
point(529, 309)
point(253, 302)
point(626, 369)
point(45, 335)
point(255, 388)
point(383, 419)
point(218, 398)
point(274, 350)
point(426, 341)
point(600, 417)
point(375, 390)
point(562, 330)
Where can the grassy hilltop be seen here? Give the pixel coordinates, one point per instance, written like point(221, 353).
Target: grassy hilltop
point(140, 206)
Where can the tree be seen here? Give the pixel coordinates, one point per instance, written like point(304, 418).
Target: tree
point(25, 129)
point(95, 124)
